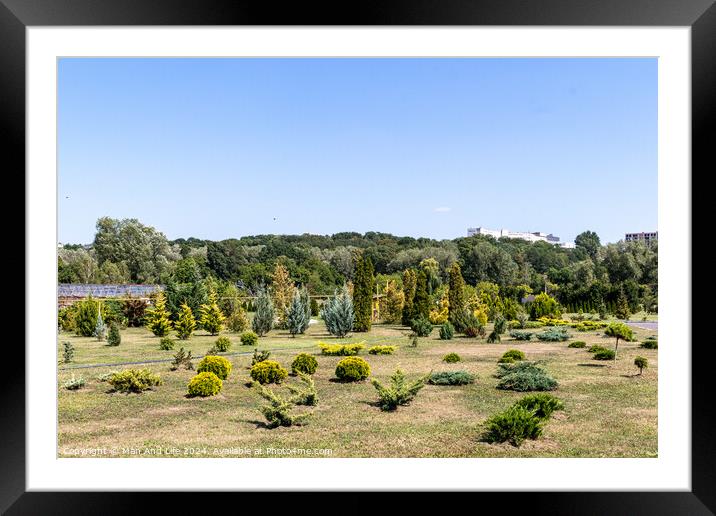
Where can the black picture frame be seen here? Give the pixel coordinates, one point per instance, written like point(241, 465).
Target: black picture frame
point(700, 15)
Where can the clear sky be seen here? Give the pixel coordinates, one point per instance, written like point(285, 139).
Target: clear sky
point(222, 148)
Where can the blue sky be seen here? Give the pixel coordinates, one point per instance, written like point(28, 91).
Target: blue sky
point(221, 148)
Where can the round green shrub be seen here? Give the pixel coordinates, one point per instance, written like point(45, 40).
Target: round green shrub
point(447, 331)
point(304, 363)
point(649, 344)
point(452, 358)
point(511, 355)
point(222, 344)
point(421, 326)
point(604, 354)
point(268, 371)
point(220, 366)
point(513, 425)
point(577, 344)
point(204, 384)
point(352, 369)
point(451, 378)
point(166, 343)
point(249, 338)
point(596, 348)
point(541, 405)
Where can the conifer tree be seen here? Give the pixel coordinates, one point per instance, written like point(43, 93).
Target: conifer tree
point(282, 290)
point(114, 337)
point(363, 293)
point(622, 309)
point(210, 316)
point(393, 303)
point(185, 323)
point(265, 314)
point(421, 302)
point(306, 300)
point(297, 316)
point(338, 313)
point(456, 296)
point(409, 281)
point(158, 317)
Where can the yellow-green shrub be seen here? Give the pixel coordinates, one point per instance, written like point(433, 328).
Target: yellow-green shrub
point(352, 369)
point(204, 384)
point(220, 366)
point(134, 380)
point(304, 363)
point(340, 349)
point(268, 371)
point(382, 350)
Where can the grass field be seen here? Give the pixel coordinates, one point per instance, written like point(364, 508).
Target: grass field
point(610, 411)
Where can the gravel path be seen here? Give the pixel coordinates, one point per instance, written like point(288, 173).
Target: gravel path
point(645, 325)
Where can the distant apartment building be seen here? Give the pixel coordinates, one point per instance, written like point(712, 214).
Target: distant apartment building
point(536, 236)
point(642, 237)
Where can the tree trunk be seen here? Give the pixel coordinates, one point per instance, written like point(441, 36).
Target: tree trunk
point(615, 350)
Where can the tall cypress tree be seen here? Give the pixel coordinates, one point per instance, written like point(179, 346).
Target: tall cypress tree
point(456, 296)
point(363, 293)
point(421, 302)
point(409, 280)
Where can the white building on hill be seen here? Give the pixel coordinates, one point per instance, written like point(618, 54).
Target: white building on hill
point(536, 236)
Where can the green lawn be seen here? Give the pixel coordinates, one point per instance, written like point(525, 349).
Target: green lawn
point(609, 411)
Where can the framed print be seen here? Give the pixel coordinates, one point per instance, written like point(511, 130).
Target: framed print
point(413, 249)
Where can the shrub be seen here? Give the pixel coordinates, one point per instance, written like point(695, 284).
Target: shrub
point(421, 326)
point(260, 356)
point(249, 338)
point(594, 348)
point(649, 344)
point(604, 354)
point(66, 318)
point(340, 349)
point(104, 377)
point(512, 355)
point(306, 395)
point(238, 321)
point(470, 324)
point(521, 335)
point(447, 331)
point(185, 324)
point(514, 425)
point(268, 371)
point(133, 310)
point(554, 335)
point(304, 363)
point(338, 313)
point(278, 410)
point(222, 344)
point(452, 358)
point(114, 338)
point(524, 376)
point(263, 320)
point(544, 305)
point(382, 350)
point(399, 392)
point(100, 329)
point(134, 380)
point(74, 383)
point(181, 359)
point(352, 369)
point(68, 353)
point(451, 378)
point(577, 344)
point(642, 363)
point(166, 343)
point(541, 405)
point(220, 366)
point(533, 325)
point(204, 384)
point(493, 337)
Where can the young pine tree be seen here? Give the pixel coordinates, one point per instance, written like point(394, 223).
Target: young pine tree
point(456, 296)
point(265, 314)
point(185, 324)
point(409, 283)
point(282, 289)
point(114, 337)
point(622, 309)
point(393, 300)
point(157, 317)
point(363, 293)
point(100, 330)
point(338, 313)
point(210, 316)
point(297, 316)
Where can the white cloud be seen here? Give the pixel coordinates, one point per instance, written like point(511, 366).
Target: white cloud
point(442, 209)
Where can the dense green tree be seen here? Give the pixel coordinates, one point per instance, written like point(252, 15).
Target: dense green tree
point(363, 294)
point(338, 313)
point(456, 296)
point(297, 316)
point(619, 331)
point(589, 241)
point(409, 284)
point(265, 314)
point(421, 302)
